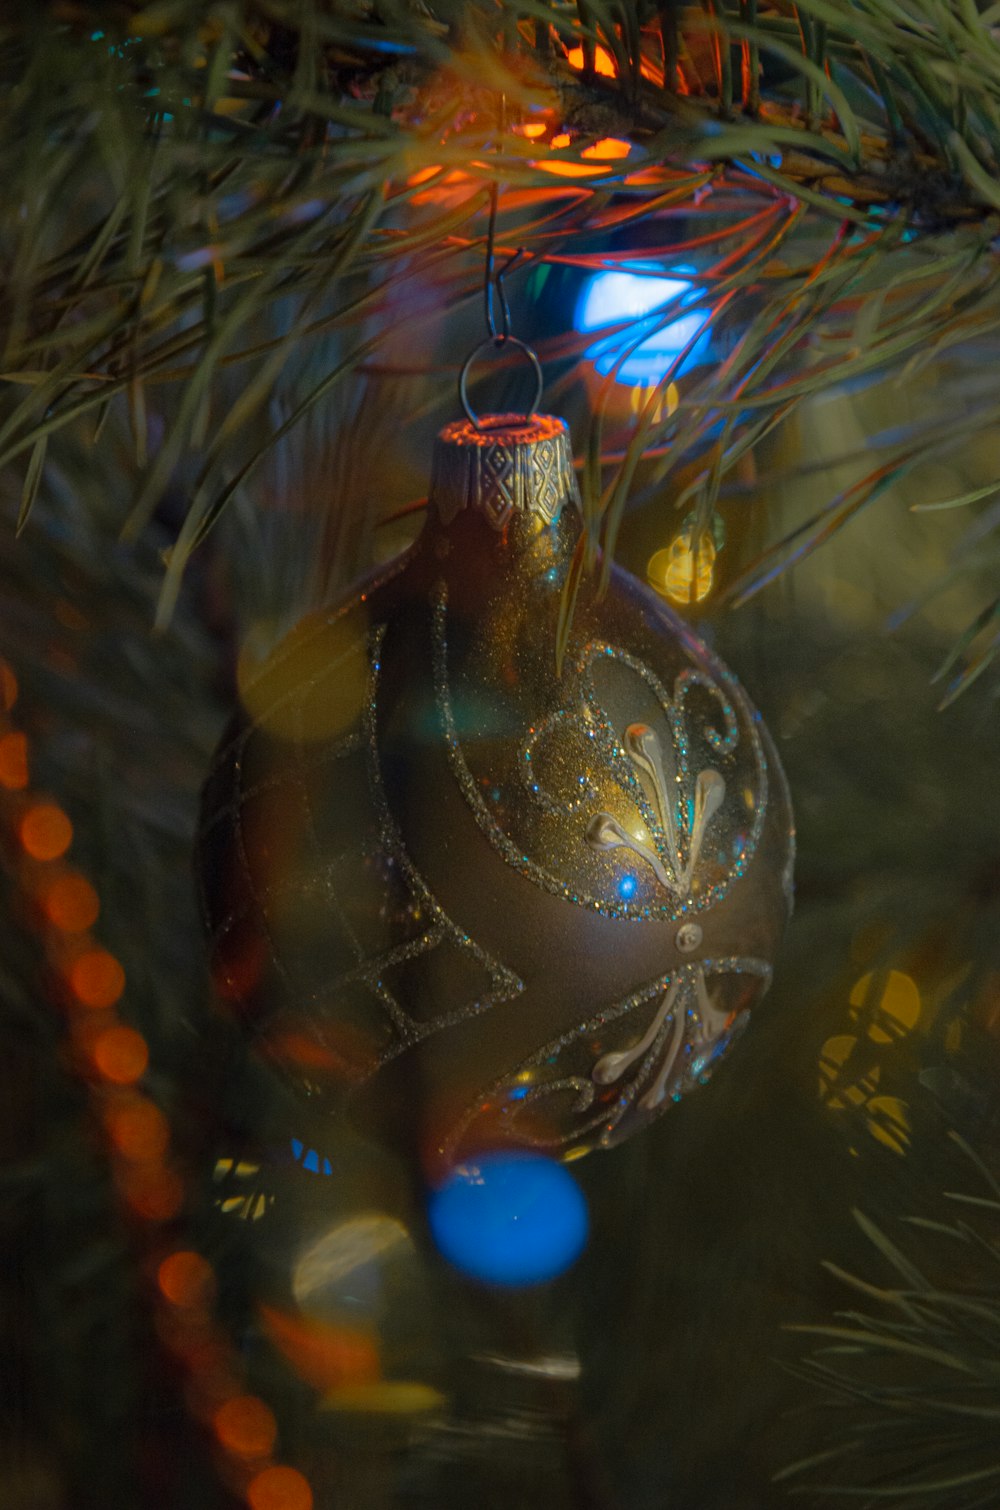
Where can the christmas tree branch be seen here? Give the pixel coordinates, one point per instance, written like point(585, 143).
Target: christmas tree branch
point(192, 200)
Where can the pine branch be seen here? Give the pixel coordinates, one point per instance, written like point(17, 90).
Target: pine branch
point(192, 200)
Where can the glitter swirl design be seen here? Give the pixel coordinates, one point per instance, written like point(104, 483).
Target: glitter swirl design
point(558, 1098)
point(685, 798)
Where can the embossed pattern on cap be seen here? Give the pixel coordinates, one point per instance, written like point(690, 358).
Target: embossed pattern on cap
point(508, 465)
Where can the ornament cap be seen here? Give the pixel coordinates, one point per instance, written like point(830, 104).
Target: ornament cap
point(506, 464)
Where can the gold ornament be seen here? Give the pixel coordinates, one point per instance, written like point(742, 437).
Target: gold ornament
point(472, 900)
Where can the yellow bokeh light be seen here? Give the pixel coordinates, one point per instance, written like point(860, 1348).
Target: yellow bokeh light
point(681, 572)
point(311, 686)
point(389, 1397)
point(888, 1123)
point(890, 1013)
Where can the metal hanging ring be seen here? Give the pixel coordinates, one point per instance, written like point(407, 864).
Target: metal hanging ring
point(498, 342)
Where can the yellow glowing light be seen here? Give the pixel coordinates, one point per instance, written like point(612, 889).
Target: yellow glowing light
point(390, 1397)
point(888, 1123)
point(681, 572)
point(313, 685)
point(893, 1013)
point(833, 1057)
point(664, 403)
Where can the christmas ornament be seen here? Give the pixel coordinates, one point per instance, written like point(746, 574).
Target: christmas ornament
point(473, 899)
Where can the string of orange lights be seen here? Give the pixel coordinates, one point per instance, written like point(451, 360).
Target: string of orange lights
point(87, 983)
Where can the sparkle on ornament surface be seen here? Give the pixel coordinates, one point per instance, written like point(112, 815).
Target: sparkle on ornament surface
point(626, 887)
point(637, 293)
point(510, 1219)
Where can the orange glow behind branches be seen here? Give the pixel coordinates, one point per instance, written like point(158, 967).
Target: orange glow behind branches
point(121, 1055)
point(14, 762)
point(246, 1427)
point(606, 67)
point(608, 149)
point(97, 978)
point(8, 687)
point(45, 831)
point(604, 63)
point(279, 1489)
point(71, 903)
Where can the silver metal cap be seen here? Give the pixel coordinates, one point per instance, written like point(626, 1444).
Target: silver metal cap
point(510, 464)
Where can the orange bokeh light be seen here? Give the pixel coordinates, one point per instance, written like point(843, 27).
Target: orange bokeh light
point(45, 831)
point(246, 1427)
point(604, 63)
point(121, 1054)
point(71, 903)
point(14, 762)
point(422, 175)
point(138, 1129)
point(97, 978)
point(8, 687)
point(328, 1357)
point(186, 1279)
point(152, 1192)
point(279, 1489)
point(608, 149)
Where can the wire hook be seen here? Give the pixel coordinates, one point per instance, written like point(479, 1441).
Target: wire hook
point(498, 331)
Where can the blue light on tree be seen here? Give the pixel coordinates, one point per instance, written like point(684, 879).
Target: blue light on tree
point(638, 293)
point(510, 1219)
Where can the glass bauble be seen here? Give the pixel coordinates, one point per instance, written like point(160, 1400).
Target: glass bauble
point(472, 899)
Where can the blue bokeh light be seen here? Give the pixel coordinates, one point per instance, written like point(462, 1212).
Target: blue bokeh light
point(510, 1218)
point(627, 887)
point(636, 293)
point(309, 1158)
